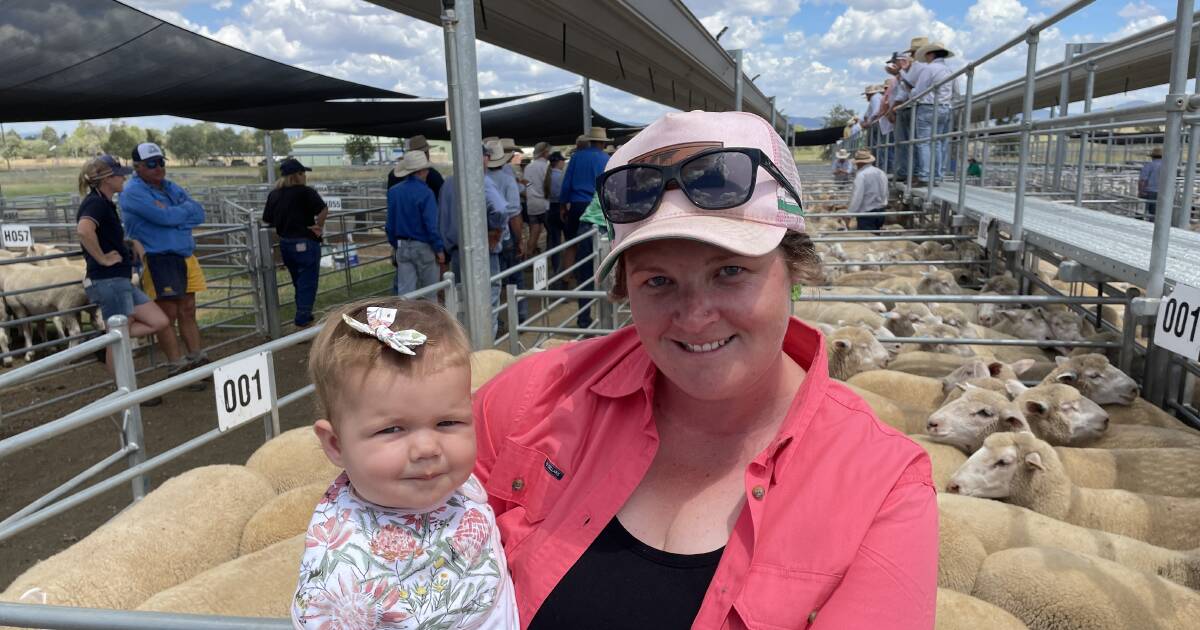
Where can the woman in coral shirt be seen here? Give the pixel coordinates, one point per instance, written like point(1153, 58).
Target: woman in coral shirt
point(700, 468)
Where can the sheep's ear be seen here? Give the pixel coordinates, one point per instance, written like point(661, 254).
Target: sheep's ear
point(1033, 460)
point(1060, 361)
point(1035, 407)
point(891, 315)
point(1014, 388)
point(994, 368)
point(841, 344)
point(1019, 367)
point(1067, 378)
point(1015, 422)
point(963, 385)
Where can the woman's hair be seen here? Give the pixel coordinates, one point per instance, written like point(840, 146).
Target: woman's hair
point(295, 179)
point(93, 172)
point(338, 348)
point(799, 253)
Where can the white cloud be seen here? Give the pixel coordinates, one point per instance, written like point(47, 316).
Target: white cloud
point(222, 5)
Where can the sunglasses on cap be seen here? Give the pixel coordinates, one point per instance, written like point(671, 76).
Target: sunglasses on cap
point(153, 162)
point(716, 179)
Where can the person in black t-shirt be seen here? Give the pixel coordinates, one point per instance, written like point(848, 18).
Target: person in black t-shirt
point(109, 259)
point(298, 213)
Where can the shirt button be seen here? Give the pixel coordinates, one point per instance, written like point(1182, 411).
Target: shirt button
point(758, 492)
point(518, 484)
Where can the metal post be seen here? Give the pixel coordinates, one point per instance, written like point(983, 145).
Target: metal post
point(451, 302)
point(737, 80)
point(125, 374)
point(1176, 106)
point(964, 144)
point(1183, 215)
point(587, 105)
point(933, 152)
point(1084, 154)
point(458, 24)
point(269, 283)
point(912, 142)
point(771, 100)
point(514, 320)
point(1064, 101)
point(987, 147)
point(1018, 222)
point(269, 156)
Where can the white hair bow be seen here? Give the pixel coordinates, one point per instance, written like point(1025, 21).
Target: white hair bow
point(378, 324)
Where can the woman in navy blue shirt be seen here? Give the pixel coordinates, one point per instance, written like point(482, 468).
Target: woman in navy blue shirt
point(108, 257)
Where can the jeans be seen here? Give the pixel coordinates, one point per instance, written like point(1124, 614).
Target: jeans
point(1151, 199)
point(902, 134)
point(302, 257)
point(925, 129)
point(494, 267)
point(416, 267)
point(871, 223)
point(114, 296)
point(554, 231)
point(583, 274)
point(508, 259)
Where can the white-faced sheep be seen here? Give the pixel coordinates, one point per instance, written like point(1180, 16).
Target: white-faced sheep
point(902, 418)
point(838, 313)
point(24, 280)
point(292, 459)
point(942, 331)
point(951, 316)
point(1026, 471)
point(1055, 589)
point(1003, 284)
point(1167, 471)
point(972, 528)
point(918, 392)
point(1098, 379)
point(938, 282)
point(959, 611)
point(945, 459)
point(1062, 416)
point(902, 285)
point(853, 349)
point(902, 319)
point(154, 544)
point(966, 422)
point(929, 364)
point(863, 278)
point(260, 584)
point(1025, 323)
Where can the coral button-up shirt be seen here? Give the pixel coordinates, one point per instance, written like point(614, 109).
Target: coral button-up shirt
point(839, 529)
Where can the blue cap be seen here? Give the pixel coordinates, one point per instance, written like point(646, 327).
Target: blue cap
point(292, 166)
point(115, 165)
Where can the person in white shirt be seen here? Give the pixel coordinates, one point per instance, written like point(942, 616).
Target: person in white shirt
point(908, 72)
point(536, 191)
point(842, 167)
point(870, 193)
point(938, 100)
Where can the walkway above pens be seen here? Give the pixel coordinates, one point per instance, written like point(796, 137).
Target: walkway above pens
point(1115, 245)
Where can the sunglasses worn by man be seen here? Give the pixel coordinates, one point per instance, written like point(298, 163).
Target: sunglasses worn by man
point(154, 162)
point(715, 179)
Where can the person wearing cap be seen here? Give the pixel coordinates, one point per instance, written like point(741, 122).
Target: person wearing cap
point(842, 166)
point(706, 440)
point(1147, 184)
point(934, 55)
point(497, 218)
point(537, 193)
point(499, 170)
point(870, 193)
point(109, 259)
point(434, 180)
point(159, 217)
point(297, 212)
point(412, 226)
point(974, 169)
point(554, 218)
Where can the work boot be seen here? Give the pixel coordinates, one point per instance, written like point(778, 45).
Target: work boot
point(176, 369)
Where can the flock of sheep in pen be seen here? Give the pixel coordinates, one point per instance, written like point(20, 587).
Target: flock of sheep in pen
point(39, 288)
point(1070, 504)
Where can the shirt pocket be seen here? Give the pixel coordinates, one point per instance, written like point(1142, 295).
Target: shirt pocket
point(528, 478)
point(776, 598)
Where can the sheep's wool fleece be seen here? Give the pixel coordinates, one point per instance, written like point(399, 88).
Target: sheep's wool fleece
point(400, 569)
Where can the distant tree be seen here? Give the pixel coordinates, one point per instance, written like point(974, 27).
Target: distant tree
point(223, 141)
point(155, 136)
point(49, 135)
point(187, 142)
point(359, 148)
point(121, 142)
point(10, 147)
point(280, 143)
point(35, 149)
point(838, 116)
point(86, 140)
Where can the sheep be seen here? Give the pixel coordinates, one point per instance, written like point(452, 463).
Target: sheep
point(863, 278)
point(987, 314)
point(878, 307)
point(959, 611)
point(1003, 284)
point(1026, 471)
point(981, 368)
point(260, 584)
point(942, 331)
point(281, 518)
point(904, 419)
point(1055, 589)
point(838, 313)
point(486, 364)
point(1023, 324)
point(1095, 377)
point(951, 316)
point(946, 459)
point(154, 544)
point(970, 529)
point(902, 285)
point(1062, 416)
point(1065, 325)
point(968, 421)
point(1166, 471)
point(938, 282)
point(853, 349)
point(928, 363)
point(22, 277)
point(989, 383)
point(902, 318)
point(919, 392)
point(292, 459)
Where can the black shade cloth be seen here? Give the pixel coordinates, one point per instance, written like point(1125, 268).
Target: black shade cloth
point(818, 137)
point(342, 116)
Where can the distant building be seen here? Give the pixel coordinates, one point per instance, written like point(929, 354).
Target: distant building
point(329, 149)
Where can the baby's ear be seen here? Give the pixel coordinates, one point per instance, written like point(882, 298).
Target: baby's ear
point(329, 441)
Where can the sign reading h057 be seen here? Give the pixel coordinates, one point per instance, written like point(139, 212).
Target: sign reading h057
point(243, 390)
point(1177, 322)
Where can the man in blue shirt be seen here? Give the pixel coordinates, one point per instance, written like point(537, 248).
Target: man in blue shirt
point(159, 217)
point(412, 226)
point(578, 189)
point(1148, 181)
point(501, 174)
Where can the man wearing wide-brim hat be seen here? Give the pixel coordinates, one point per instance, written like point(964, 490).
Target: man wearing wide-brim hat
point(934, 103)
point(512, 242)
point(1148, 181)
point(412, 225)
point(842, 166)
point(578, 189)
point(870, 193)
point(434, 180)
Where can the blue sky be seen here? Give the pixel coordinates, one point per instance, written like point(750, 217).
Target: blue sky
point(811, 54)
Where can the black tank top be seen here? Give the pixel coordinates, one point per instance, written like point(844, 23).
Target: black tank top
point(620, 582)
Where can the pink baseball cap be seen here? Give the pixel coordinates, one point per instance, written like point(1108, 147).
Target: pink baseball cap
point(751, 229)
